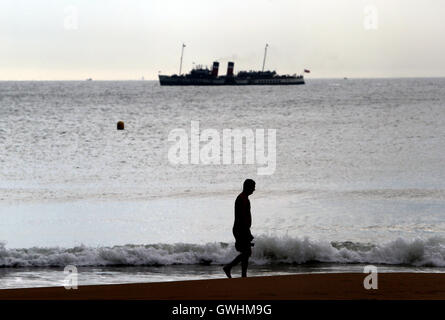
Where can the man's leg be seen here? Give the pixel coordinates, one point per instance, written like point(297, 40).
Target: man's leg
point(245, 263)
point(243, 257)
point(229, 266)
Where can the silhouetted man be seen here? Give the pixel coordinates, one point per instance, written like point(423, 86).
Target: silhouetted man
point(241, 229)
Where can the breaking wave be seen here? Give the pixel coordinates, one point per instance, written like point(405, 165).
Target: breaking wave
point(268, 250)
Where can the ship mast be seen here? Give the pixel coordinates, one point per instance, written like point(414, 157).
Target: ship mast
point(265, 54)
point(182, 54)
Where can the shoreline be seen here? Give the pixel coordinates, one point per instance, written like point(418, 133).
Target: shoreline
point(322, 286)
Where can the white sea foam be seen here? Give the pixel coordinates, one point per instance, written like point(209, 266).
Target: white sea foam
point(267, 250)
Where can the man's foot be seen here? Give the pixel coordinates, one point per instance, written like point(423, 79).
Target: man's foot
point(227, 271)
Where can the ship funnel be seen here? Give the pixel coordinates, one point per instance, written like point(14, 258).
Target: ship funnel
point(230, 66)
point(215, 69)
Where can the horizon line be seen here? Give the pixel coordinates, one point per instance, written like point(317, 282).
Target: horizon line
point(313, 78)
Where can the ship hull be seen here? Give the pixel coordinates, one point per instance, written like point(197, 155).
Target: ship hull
point(184, 81)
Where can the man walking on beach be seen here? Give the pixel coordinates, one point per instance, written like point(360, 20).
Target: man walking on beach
point(241, 229)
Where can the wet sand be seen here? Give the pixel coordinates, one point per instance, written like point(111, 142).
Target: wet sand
point(333, 286)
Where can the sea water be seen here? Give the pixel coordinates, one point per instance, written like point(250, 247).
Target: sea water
point(359, 180)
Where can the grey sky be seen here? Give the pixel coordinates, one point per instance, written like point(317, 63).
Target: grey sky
point(117, 39)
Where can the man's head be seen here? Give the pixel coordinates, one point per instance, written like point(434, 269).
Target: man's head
point(248, 186)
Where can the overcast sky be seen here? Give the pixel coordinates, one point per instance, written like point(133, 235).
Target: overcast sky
point(128, 39)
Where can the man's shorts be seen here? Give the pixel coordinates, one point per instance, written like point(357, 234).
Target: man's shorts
point(243, 247)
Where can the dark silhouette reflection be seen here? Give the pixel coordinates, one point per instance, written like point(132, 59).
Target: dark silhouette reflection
point(241, 229)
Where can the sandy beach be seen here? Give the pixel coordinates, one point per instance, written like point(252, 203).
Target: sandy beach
point(339, 286)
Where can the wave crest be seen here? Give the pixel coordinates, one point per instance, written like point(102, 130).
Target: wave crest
point(268, 250)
